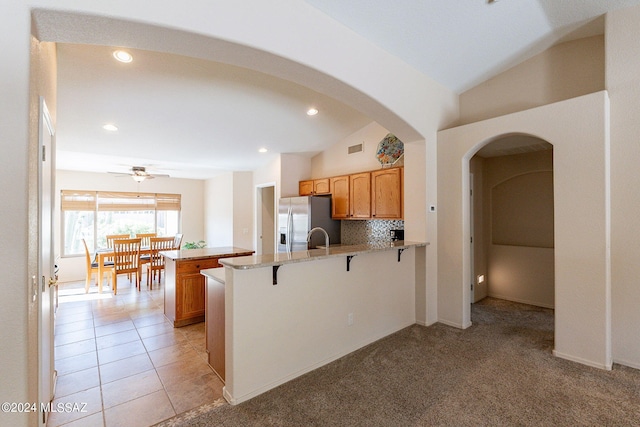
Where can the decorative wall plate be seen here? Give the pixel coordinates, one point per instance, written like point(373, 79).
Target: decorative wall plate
point(389, 149)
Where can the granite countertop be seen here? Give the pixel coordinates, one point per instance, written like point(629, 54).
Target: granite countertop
point(257, 261)
point(225, 251)
point(214, 273)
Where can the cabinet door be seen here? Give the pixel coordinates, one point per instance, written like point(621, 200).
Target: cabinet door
point(190, 296)
point(305, 188)
point(321, 186)
point(360, 195)
point(339, 197)
point(386, 194)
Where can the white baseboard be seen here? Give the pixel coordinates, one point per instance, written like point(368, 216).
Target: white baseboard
point(521, 301)
point(455, 324)
point(627, 363)
point(582, 361)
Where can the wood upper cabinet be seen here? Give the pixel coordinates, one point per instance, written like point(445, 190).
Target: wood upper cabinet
point(314, 186)
point(340, 197)
point(305, 188)
point(360, 195)
point(321, 186)
point(387, 194)
point(367, 195)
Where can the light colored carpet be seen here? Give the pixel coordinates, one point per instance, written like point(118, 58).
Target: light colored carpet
point(499, 372)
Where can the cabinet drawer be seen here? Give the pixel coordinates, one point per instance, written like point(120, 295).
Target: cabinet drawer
point(191, 267)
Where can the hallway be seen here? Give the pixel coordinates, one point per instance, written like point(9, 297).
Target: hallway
point(120, 356)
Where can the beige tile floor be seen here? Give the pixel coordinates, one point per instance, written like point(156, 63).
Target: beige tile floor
point(120, 356)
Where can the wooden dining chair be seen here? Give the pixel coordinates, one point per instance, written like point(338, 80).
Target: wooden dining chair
point(92, 267)
point(177, 241)
point(145, 238)
point(156, 261)
point(126, 260)
point(110, 239)
point(144, 246)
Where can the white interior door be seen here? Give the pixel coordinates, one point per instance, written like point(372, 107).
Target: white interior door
point(47, 373)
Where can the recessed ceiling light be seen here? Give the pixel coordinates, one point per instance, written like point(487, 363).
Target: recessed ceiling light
point(110, 127)
point(262, 150)
point(312, 112)
point(122, 56)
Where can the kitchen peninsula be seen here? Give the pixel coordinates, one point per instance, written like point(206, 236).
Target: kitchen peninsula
point(184, 292)
point(286, 314)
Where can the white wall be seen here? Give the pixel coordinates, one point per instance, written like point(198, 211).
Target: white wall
point(278, 332)
point(563, 71)
point(522, 274)
point(578, 129)
point(243, 210)
point(192, 199)
point(293, 169)
point(336, 161)
point(218, 211)
point(269, 174)
point(229, 210)
point(623, 85)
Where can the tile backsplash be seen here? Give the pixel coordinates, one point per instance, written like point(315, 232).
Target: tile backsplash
point(356, 232)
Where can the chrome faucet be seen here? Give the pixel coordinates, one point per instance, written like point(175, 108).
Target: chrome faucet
point(326, 236)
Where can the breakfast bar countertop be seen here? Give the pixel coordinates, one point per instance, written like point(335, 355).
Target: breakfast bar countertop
point(186, 254)
point(281, 258)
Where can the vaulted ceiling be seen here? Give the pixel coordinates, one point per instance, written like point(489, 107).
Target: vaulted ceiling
point(194, 118)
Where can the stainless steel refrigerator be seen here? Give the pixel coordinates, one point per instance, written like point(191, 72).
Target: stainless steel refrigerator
point(298, 215)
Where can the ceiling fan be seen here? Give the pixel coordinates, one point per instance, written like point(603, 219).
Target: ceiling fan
point(139, 174)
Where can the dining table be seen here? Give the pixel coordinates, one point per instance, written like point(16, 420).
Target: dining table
point(105, 253)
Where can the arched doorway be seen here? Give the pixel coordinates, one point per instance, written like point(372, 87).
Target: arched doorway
point(578, 130)
point(511, 223)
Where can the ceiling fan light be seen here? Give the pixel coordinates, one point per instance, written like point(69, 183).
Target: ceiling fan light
point(138, 178)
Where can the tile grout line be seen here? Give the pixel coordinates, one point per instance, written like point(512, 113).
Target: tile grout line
point(133, 312)
point(155, 369)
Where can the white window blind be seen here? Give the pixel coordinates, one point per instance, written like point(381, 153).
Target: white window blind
point(79, 200)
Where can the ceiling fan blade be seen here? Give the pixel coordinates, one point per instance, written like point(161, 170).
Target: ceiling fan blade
point(119, 174)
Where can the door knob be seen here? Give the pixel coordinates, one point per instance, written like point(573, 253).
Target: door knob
point(53, 281)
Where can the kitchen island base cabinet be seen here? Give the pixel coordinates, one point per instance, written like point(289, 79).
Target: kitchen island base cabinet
point(184, 291)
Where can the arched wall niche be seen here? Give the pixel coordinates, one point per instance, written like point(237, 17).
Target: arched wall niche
point(513, 221)
point(578, 130)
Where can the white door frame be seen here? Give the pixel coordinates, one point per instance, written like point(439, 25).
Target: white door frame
point(46, 266)
point(472, 269)
point(258, 217)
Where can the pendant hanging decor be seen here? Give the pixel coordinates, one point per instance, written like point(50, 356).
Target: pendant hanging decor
point(390, 150)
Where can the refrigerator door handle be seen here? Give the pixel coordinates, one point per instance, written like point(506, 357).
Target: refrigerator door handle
point(289, 229)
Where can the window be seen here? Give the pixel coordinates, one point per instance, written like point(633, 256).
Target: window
point(92, 215)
